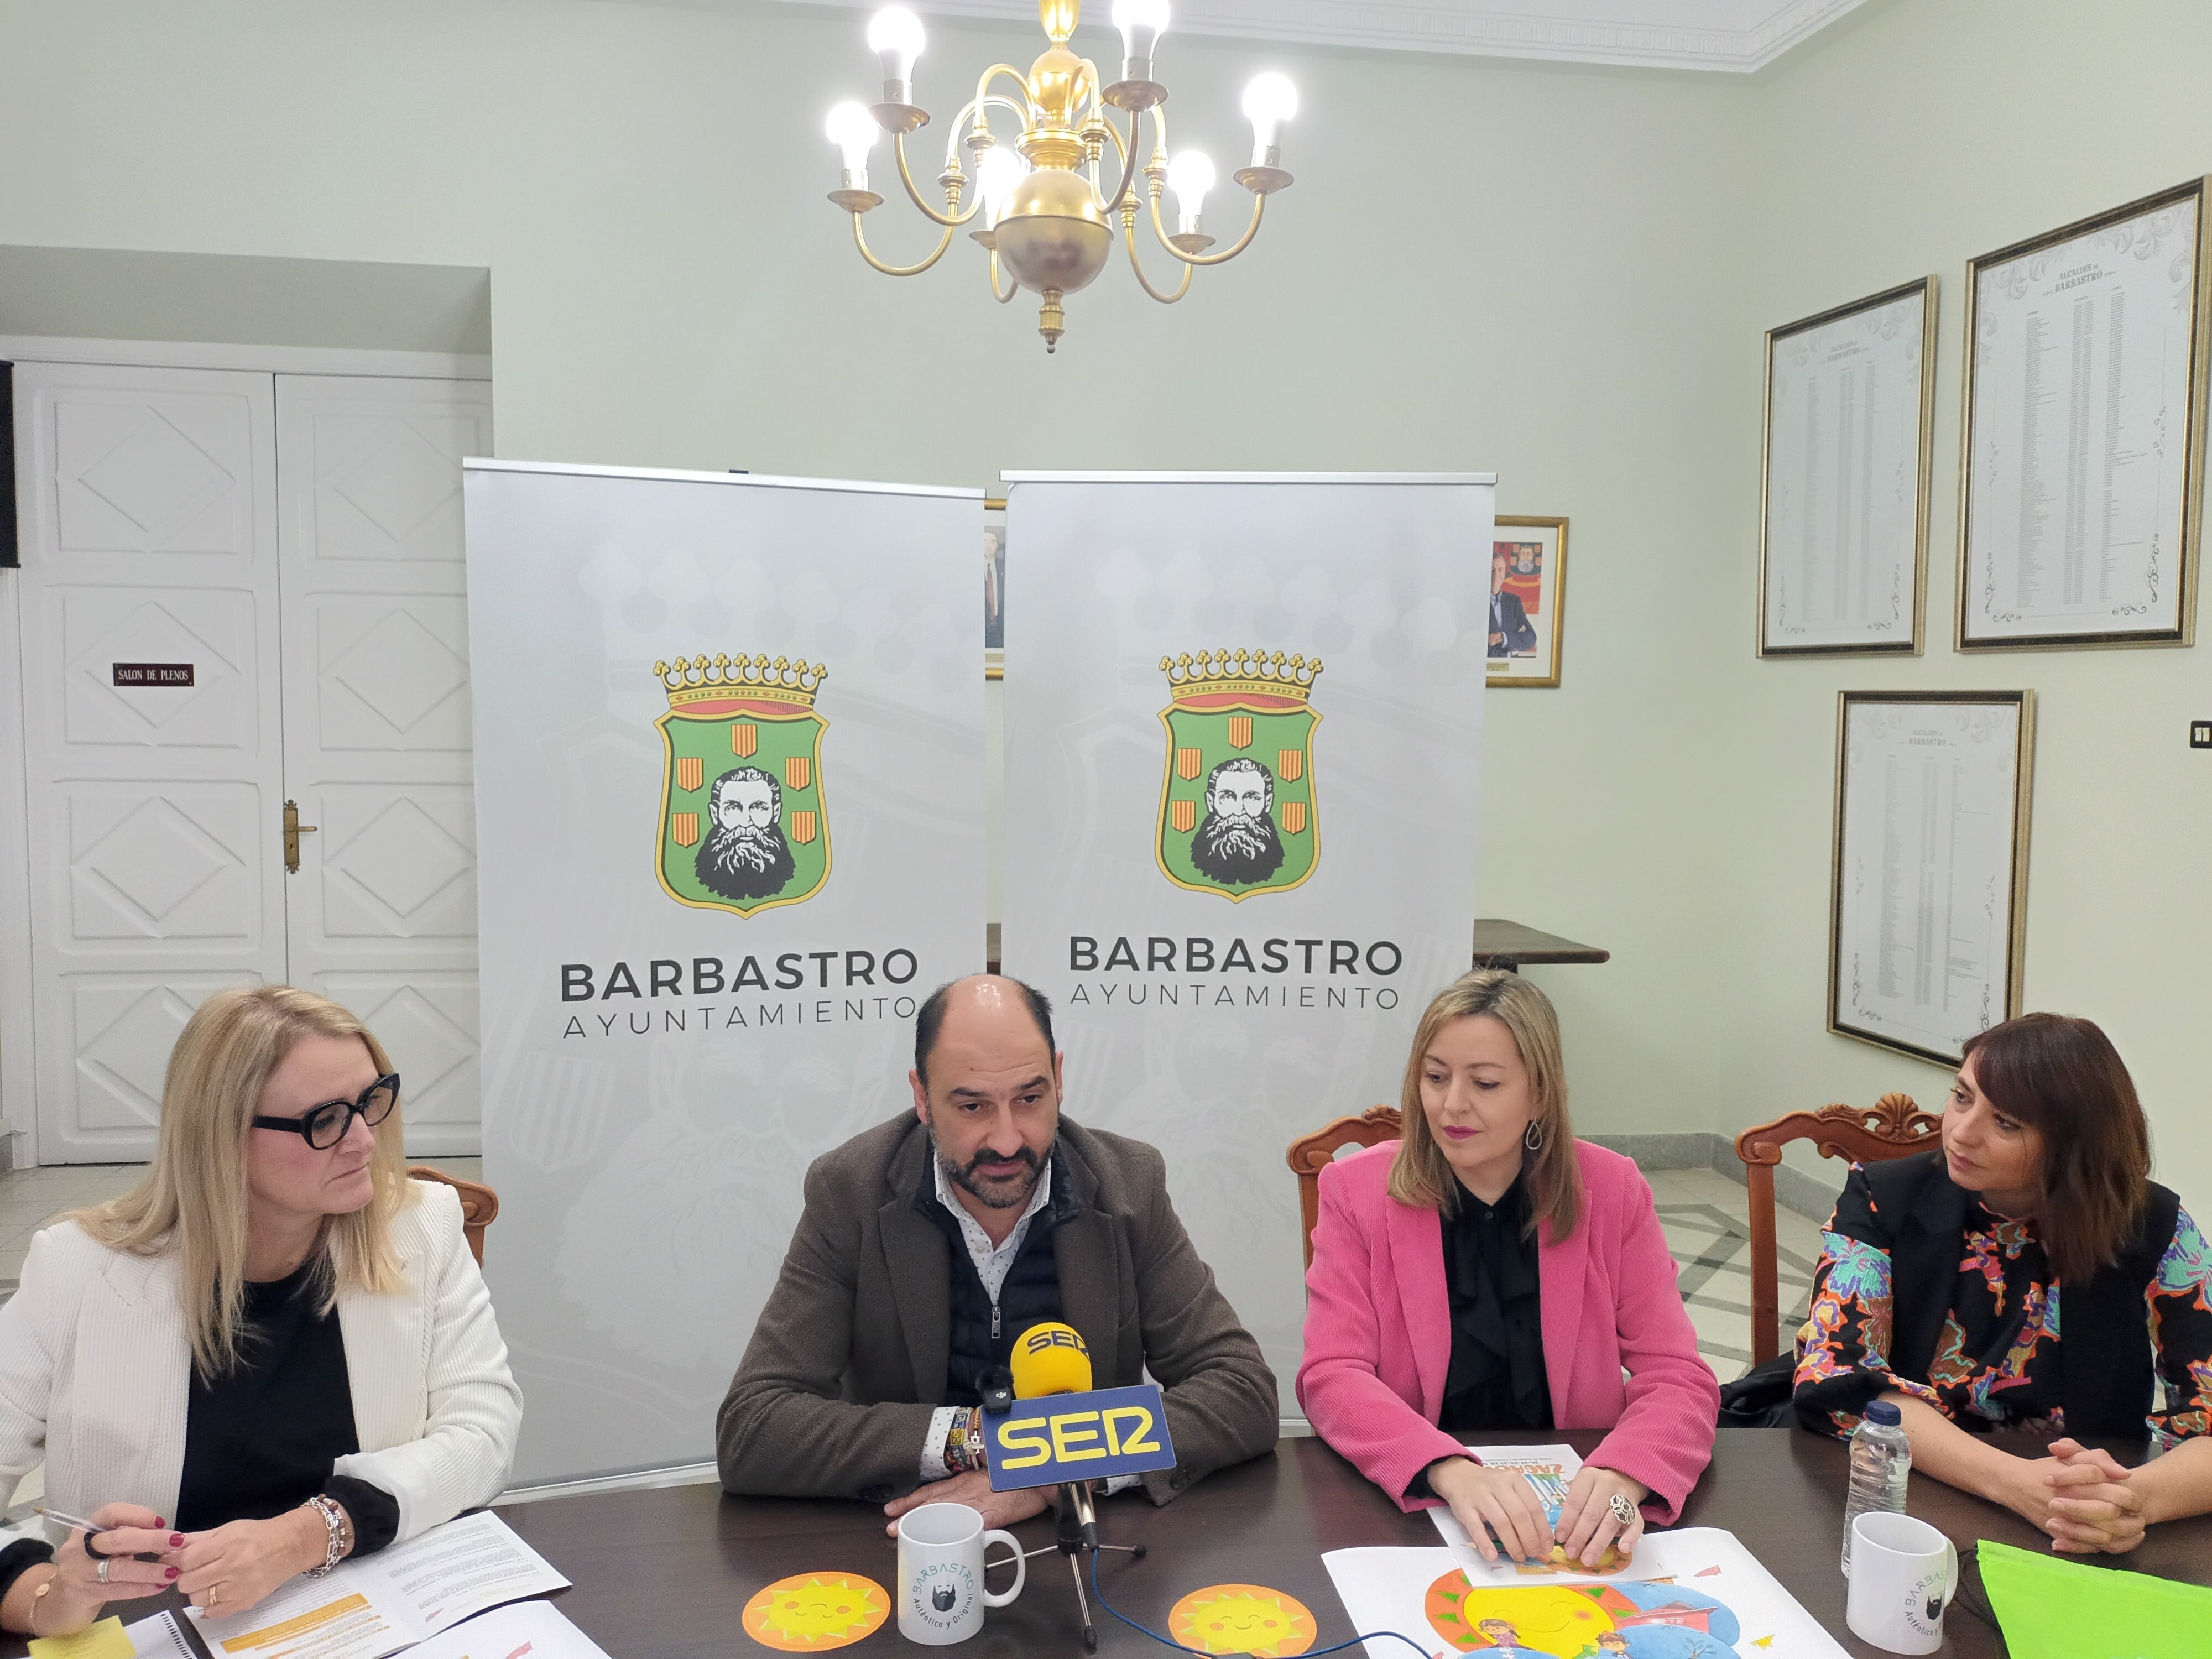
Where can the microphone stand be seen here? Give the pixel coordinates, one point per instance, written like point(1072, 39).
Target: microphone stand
point(1077, 1535)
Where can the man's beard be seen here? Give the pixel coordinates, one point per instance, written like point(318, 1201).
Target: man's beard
point(995, 1194)
point(746, 863)
point(1236, 851)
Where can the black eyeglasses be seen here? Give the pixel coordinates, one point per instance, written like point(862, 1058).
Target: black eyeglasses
point(323, 1127)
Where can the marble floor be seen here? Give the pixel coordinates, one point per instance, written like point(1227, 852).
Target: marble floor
point(1707, 1220)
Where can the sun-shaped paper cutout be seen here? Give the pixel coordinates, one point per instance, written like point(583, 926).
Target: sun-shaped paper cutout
point(1523, 1619)
point(814, 1612)
point(1242, 1619)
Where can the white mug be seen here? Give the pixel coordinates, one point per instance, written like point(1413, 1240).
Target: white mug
point(941, 1596)
point(1903, 1574)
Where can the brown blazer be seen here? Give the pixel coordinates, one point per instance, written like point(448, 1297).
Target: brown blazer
point(835, 1394)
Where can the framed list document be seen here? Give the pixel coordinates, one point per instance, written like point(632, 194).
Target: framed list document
point(1930, 879)
point(1843, 539)
point(2083, 463)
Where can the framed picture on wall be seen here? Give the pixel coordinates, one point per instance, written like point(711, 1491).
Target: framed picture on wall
point(2081, 466)
point(1843, 477)
point(1929, 910)
point(1528, 594)
point(994, 588)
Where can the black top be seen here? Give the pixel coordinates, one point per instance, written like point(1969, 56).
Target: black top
point(262, 1440)
point(983, 1331)
point(1496, 1377)
point(1923, 1288)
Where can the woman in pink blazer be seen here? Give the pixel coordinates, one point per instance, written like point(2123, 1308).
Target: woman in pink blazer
point(1490, 1272)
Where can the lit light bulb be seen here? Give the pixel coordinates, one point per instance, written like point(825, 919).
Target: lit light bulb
point(1141, 23)
point(854, 131)
point(1269, 101)
point(998, 170)
point(895, 36)
point(1190, 175)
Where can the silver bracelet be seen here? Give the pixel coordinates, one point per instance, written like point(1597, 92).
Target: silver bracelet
point(334, 1518)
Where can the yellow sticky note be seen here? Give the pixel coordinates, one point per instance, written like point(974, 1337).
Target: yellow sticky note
point(103, 1640)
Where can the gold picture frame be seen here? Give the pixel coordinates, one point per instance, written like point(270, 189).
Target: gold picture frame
point(2131, 233)
point(1868, 330)
point(1536, 580)
point(1968, 751)
point(994, 587)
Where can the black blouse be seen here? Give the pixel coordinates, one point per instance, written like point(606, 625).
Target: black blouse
point(1497, 1378)
point(263, 1439)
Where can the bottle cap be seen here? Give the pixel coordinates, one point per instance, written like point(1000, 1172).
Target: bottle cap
point(1885, 1413)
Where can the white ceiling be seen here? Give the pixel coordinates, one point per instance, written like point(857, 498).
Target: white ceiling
point(1710, 34)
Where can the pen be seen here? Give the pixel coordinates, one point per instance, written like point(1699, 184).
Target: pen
point(89, 1529)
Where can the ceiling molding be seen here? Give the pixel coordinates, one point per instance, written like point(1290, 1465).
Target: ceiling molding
point(1728, 35)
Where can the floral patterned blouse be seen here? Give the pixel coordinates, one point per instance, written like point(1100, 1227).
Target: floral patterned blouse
point(1997, 1359)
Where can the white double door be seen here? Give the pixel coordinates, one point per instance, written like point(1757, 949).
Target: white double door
point(294, 542)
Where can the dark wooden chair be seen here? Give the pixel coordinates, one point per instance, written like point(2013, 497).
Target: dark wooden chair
point(1892, 1127)
point(479, 1204)
point(1311, 1154)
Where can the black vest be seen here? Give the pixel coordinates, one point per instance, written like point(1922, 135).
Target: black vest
point(983, 1332)
point(2106, 1371)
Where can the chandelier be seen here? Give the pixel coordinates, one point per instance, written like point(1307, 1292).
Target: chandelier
point(1039, 206)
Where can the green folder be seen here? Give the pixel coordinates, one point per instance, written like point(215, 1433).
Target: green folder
point(2050, 1608)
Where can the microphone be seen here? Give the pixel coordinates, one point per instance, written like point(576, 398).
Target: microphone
point(1082, 1435)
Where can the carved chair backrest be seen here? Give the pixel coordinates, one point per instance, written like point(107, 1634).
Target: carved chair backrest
point(1311, 1154)
point(1892, 1127)
point(479, 1204)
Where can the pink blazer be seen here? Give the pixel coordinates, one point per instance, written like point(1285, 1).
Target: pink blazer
point(1378, 1332)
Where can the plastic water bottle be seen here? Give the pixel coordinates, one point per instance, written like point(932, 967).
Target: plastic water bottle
point(1881, 1458)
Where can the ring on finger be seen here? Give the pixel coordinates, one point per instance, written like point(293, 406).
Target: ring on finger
point(1623, 1510)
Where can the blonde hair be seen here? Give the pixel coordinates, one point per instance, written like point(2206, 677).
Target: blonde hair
point(193, 1203)
point(1420, 1176)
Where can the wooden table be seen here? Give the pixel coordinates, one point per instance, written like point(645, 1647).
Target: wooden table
point(668, 1573)
point(1501, 943)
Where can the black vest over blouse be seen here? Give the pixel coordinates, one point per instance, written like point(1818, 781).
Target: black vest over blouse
point(983, 1333)
point(2108, 1373)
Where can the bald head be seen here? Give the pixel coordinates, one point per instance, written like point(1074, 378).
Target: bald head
point(989, 1011)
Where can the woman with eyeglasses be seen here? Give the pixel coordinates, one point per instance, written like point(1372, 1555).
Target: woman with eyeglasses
point(273, 1352)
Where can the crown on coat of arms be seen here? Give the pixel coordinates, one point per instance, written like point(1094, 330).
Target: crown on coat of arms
point(778, 679)
point(1210, 673)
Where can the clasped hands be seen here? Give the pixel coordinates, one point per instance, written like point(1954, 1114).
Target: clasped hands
point(224, 1570)
point(1500, 1503)
point(2082, 1497)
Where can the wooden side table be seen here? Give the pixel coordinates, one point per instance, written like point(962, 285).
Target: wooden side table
point(1510, 944)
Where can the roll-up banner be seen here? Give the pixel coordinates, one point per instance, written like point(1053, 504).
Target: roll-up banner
point(1244, 743)
point(729, 764)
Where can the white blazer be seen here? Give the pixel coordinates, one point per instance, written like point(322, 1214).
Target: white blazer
point(95, 1373)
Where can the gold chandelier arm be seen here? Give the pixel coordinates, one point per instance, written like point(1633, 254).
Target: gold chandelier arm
point(1259, 207)
point(899, 143)
point(983, 83)
point(1128, 150)
point(860, 241)
point(1012, 290)
point(1129, 236)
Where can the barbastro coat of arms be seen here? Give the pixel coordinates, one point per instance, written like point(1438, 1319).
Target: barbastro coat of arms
point(1237, 815)
point(743, 826)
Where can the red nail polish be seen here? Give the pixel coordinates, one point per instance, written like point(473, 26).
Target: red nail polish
point(176, 1541)
point(170, 1572)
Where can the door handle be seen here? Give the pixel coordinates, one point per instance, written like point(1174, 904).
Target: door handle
point(293, 830)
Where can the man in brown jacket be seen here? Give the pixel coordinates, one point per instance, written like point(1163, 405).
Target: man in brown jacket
point(928, 1244)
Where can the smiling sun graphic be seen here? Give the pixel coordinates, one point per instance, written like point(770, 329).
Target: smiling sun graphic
point(1242, 1619)
point(814, 1612)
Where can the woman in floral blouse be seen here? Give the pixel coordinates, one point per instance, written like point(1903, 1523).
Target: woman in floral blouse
point(1940, 1287)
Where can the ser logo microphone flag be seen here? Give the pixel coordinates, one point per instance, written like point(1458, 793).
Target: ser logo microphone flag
point(1060, 1429)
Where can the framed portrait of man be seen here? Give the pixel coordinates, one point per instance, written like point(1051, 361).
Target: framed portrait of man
point(1527, 595)
point(994, 588)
